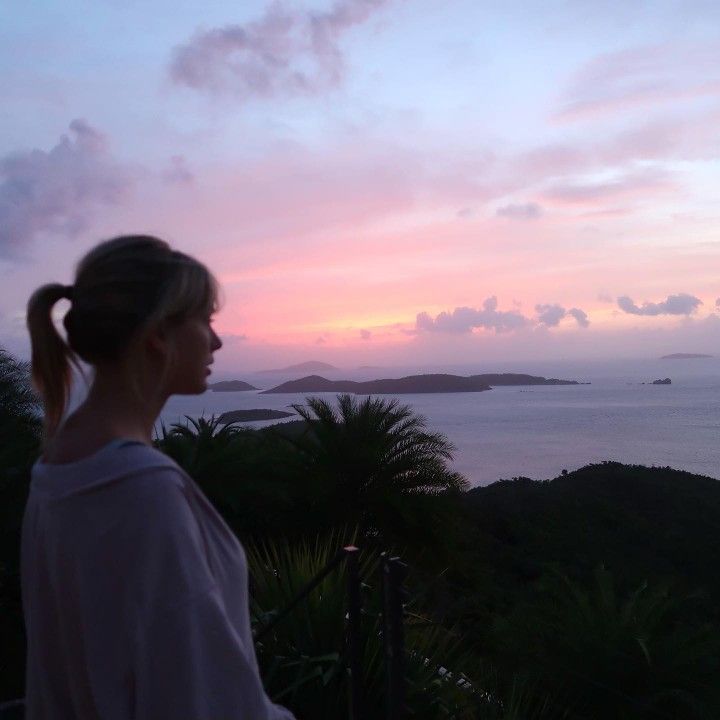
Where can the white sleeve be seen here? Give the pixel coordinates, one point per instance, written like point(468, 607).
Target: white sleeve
point(190, 663)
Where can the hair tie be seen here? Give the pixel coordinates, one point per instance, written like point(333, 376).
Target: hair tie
point(68, 292)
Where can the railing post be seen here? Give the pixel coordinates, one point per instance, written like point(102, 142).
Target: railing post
point(393, 573)
point(354, 638)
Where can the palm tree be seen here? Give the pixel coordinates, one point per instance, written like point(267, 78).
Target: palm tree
point(374, 463)
point(245, 473)
point(20, 410)
point(302, 658)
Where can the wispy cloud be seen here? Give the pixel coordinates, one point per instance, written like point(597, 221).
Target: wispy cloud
point(57, 190)
point(649, 181)
point(527, 211)
point(177, 172)
point(365, 334)
point(638, 77)
point(681, 304)
point(285, 52)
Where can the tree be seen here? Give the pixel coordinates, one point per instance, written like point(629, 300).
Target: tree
point(20, 435)
point(371, 463)
point(631, 657)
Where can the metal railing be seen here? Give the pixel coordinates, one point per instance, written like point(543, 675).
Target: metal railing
point(392, 574)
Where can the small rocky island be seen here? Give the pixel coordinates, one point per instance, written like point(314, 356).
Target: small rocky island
point(413, 384)
point(685, 356)
point(664, 381)
point(252, 415)
point(230, 386)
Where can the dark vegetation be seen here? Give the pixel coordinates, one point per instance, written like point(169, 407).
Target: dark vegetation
point(591, 596)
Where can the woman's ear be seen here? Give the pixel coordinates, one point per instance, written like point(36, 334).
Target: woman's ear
point(156, 339)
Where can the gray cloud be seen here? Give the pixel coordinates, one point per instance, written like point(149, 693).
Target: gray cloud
point(580, 317)
point(465, 319)
point(528, 211)
point(365, 334)
point(717, 303)
point(605, 297)
point(681, 304)
point(551, 315)
point(56, 190)
point(285, 52)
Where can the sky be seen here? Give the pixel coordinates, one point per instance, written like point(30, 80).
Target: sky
point(388, 182)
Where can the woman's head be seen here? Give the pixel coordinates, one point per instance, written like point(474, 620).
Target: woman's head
point(124, 288)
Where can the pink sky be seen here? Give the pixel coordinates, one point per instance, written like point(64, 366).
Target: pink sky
point(365, 195)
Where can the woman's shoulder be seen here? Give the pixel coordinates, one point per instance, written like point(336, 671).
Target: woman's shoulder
point(116, 461)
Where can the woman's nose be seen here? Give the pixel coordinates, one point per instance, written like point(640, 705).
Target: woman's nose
point(216, 341)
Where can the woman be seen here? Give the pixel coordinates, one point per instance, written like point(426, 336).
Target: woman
point(134, 589)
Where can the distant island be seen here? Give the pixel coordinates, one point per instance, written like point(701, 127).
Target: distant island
point(665, 381)
point(310, 366)
point(412, 384)
point(685, 356)
point(230, 386)
point(252, 415)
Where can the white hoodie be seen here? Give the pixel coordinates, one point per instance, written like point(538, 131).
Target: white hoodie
point(135, 596)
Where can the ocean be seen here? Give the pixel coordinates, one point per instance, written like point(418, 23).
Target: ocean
point(539, 431)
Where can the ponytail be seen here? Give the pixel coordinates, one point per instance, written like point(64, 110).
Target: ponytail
point(51, 355)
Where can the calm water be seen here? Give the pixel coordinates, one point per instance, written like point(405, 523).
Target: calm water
point(538, 431)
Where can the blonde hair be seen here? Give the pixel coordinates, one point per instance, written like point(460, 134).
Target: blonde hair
point(122, 286)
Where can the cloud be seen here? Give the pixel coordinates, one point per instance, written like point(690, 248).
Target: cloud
point(320, 341)
point(177, 172)
point(717, 303)
point(630, 184)
point(365, 334)
point(465, 319)
point(637, 77)
point(285, 52)
point(681, 304)
point(57, 190)
point(605, 297)
point(528, 211)
point(580, 317)
point(551, 315)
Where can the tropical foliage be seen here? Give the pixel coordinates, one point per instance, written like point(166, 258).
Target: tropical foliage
point(594, 595)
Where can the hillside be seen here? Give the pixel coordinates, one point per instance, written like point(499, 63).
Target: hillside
point(642, 523)
point(231, 386)
point(433, 383)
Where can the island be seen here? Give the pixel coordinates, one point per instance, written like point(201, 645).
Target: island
point(685, 356)
point(413, 384)
point(234, 416)
point(666, 381)
point(310, 366)
point(231, 386)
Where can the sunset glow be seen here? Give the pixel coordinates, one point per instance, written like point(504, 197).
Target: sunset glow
point(379, 181)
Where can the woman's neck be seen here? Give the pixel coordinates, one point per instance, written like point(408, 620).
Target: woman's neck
point(116, 408)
